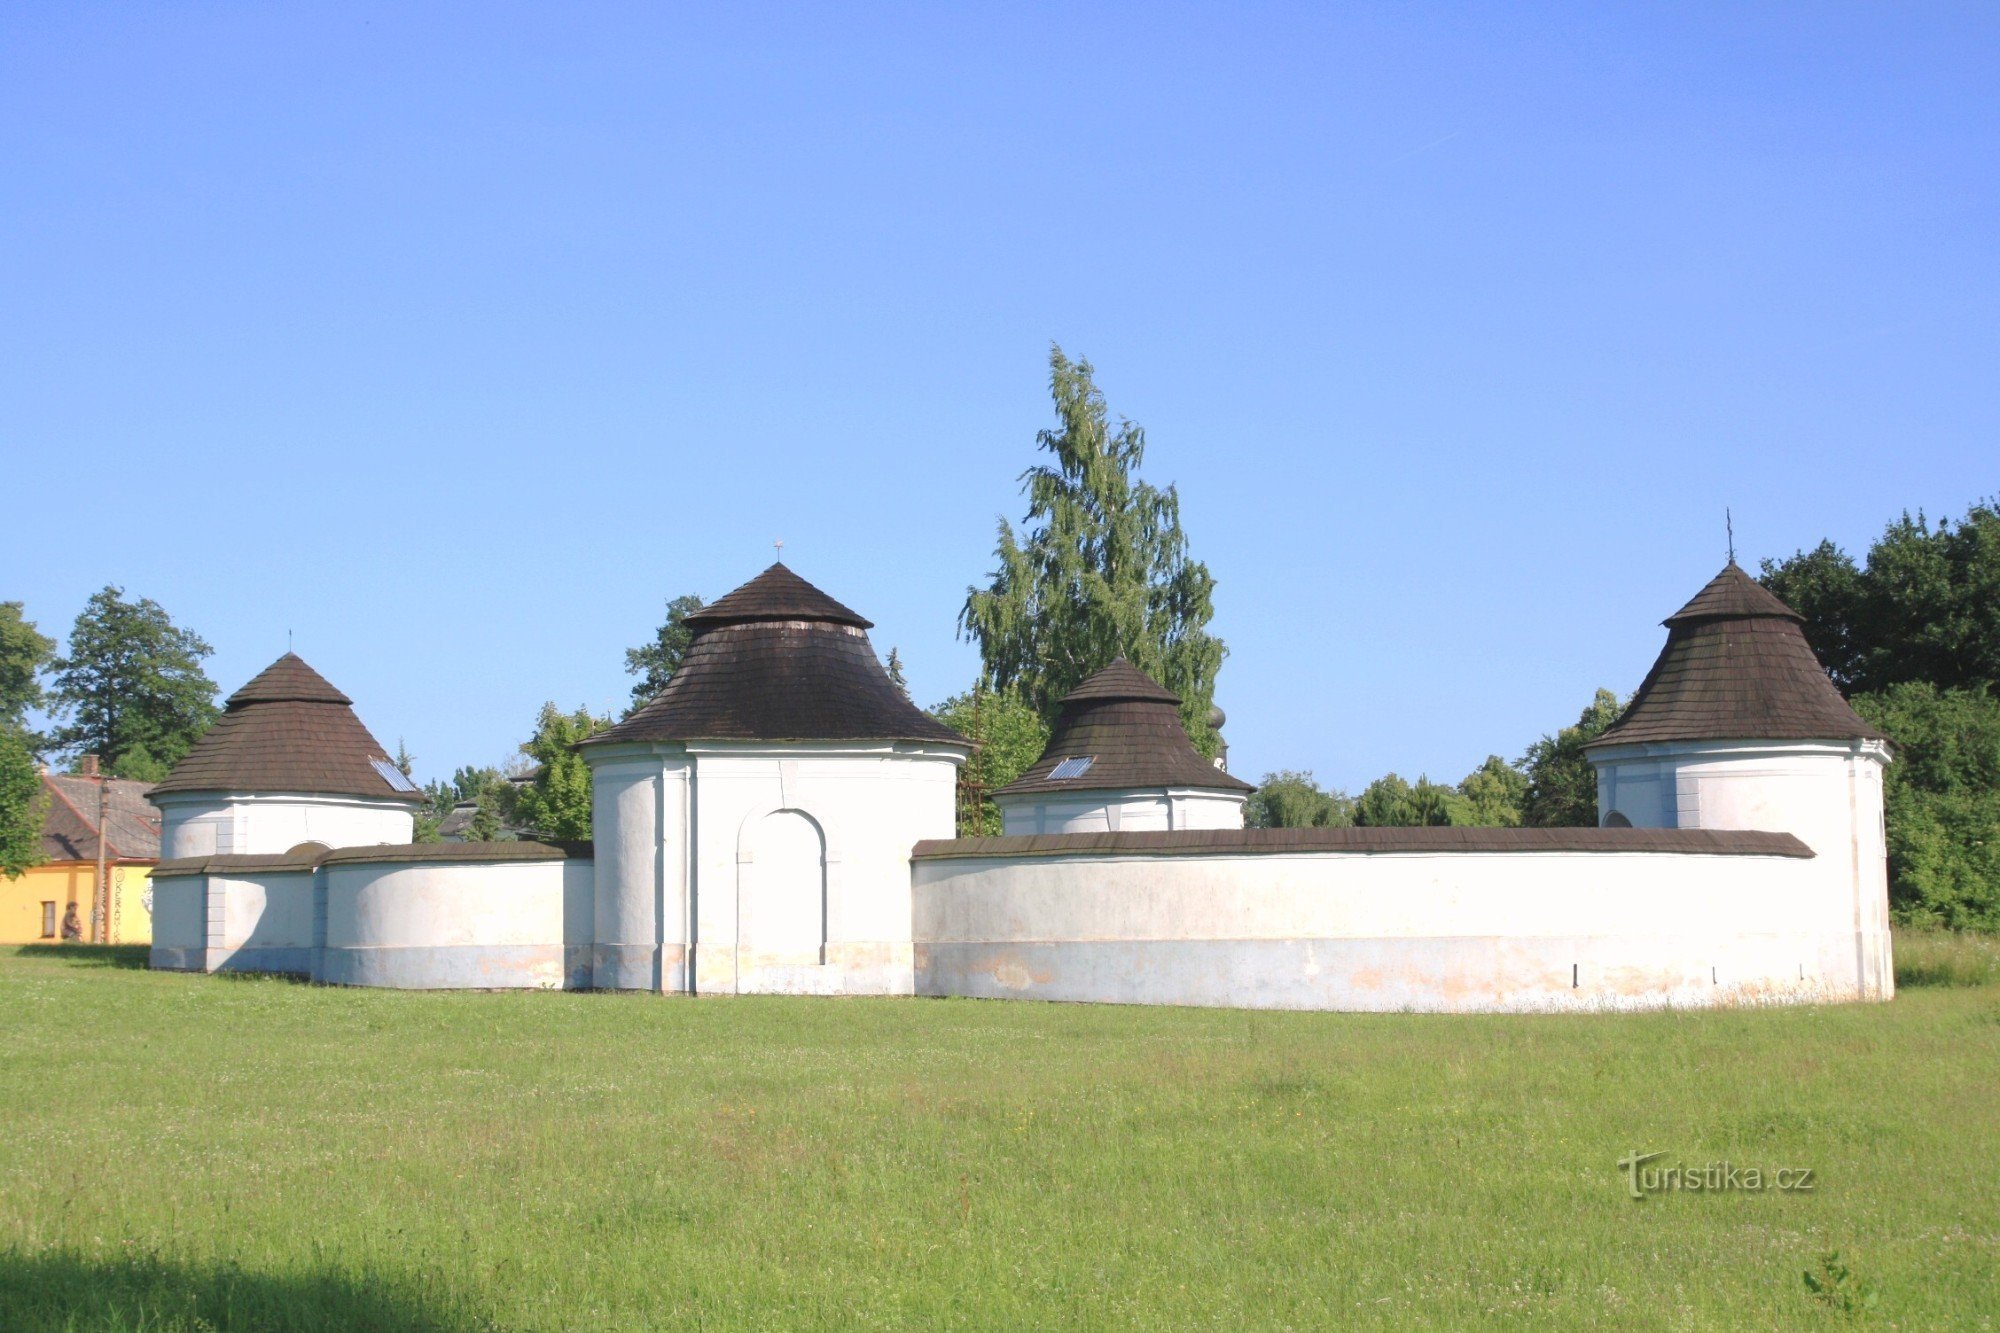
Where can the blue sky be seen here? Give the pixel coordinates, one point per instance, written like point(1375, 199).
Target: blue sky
point(457, 339)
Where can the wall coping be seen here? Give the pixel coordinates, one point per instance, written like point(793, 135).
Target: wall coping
point(422, 853)
point(1368, 841)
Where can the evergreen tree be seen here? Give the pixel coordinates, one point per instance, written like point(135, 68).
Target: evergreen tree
point(557, 803)
point(24, 654)
point(132, 683)
point(894, 666)
point(23, 804)
point(656, 662)
point(1101, 570)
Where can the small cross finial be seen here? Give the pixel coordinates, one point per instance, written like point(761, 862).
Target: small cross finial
point(779, 545)
point(1729, 526)
point(288, 641)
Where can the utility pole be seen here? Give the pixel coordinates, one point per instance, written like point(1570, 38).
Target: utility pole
point(100, 898)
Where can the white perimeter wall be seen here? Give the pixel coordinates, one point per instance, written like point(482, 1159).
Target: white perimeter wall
point(1431, 931)
point(759, 868)
point(237, 824)
point(1120, 811)
point(1826, 793)
point(474, 925)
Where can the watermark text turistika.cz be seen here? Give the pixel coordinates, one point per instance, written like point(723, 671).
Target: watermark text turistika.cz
point(1710, 1177)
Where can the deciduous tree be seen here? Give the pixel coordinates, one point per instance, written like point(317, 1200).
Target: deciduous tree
point(1100, 570)
point(25, 653)
point(1562, 786)
point(23, 804)
point(1294, 799)
point(556, 804)
point(1007, 736)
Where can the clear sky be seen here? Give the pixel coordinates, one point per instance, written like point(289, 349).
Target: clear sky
point(456, 339)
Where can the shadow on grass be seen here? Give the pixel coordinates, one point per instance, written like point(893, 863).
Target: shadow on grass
point(91, 955)
point(60, 1289)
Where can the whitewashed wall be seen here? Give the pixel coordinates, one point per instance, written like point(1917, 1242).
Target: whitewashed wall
point(440, 924)
point(1472, 931)
point(774, 868)
point(263, 824)
point(1119, 811)
point(1827, 793)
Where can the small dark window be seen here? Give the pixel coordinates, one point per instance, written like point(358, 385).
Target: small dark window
point(48, 921)
point(1616, 819)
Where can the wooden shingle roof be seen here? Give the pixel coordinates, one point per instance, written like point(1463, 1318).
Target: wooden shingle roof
point(779, 660)
point(1736, 667)
point(289, 730)
point(1129, 727)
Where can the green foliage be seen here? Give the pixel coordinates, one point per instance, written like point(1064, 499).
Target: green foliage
point(23, 803)
point(24, 654)
point(1390, 802)
point(1493, 795)
point(894, 666)
point(1292, 799)
point(656, 662)
point(1925, 607)
point(1561, 789)
point(556, 804)
point(1836, 1286)
point(132, 683)
point(1008, 736)
point(1101, 571)
point(1942, 799)
point(138, 765)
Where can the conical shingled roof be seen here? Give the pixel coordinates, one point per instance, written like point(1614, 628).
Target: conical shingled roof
point(1736, 667)
point(779, 660)
point(1129, 727)
point(289, 730)
point(777, 594)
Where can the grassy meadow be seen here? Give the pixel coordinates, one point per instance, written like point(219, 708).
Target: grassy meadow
point(184, 1152)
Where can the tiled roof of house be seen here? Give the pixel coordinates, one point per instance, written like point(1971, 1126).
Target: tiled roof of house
point(69, 826)
point(1736, 667)
point(288, 730)
point(1129, 728)
point(779, 660)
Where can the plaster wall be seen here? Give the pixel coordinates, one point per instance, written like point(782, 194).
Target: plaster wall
point(476, 925)
point(1427, 931)
point(1826, 793)
point(1120, 811)
point(226, 824)
point(180, 923)
point(710, 855)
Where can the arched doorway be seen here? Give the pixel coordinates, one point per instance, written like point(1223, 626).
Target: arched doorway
point(781, 895)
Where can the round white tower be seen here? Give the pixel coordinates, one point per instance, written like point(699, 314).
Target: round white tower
point(288, 762)
point(1119, 760)
point(754, 821)
point(1738, 727)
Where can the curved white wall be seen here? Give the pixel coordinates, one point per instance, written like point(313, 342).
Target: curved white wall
point(1120, 811)
point(261, 824)
point(1470, 931)
point(1826, 793)
point(685, 884)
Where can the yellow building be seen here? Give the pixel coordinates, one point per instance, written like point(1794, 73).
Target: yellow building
point(33, 907)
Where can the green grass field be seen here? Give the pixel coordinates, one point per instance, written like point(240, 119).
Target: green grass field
point(195, 1152)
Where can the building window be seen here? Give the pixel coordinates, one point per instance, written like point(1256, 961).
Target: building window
point(48, 921)
point(1617, 819)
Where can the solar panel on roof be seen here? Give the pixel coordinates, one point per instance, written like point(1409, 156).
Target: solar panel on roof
point(1072, 768)
point(393, 775)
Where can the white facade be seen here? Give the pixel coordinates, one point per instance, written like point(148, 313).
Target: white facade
point(762, 867)
point(1119, 811)
point(269, 823)
point(1467, 931)
point(1827, 793)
